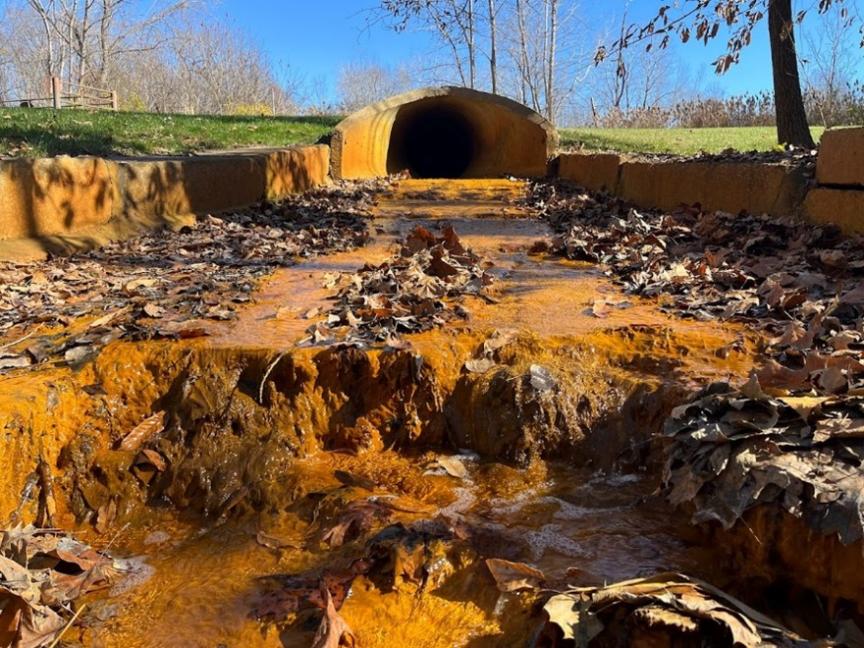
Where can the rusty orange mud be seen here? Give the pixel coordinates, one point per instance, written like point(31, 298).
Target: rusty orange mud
point(270, 443)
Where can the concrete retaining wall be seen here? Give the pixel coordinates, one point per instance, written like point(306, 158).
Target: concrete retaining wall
point(725, 186)
point(776, 189)
point(841, 158)
point(722, 186)
point(55, 195)
point(596, 171)
point(839, 198)
point(64, 196)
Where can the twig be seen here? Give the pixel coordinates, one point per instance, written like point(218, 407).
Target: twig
point(67, 626)
point(18, 341)
point(267, 373)
point(115, 538)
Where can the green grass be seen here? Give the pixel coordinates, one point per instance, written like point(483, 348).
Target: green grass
point(682, 141)
point(34, 132)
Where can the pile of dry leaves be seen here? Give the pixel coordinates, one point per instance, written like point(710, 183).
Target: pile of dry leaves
point(799, 284)
point(417, 290)
point(733, 449)
point(42, 574)
point(666, 609)
point(154, 284)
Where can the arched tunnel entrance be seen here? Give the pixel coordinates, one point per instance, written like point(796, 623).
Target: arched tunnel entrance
point(443, 133)
point(432, 141)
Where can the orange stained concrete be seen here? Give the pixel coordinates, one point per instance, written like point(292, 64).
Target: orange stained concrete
point(545, 298)
point(841, 158)
point(55, 195)
point(65, 205)
point(205, 578)
point(505, 137)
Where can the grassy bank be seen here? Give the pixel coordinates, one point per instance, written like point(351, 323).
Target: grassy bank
point(682, 141)
point(34, 132)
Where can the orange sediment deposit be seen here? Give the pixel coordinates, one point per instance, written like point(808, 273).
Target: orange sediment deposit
point(247, 471)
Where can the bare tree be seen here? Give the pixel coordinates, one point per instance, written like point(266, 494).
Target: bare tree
point(830, 65)
point(543, 55)
point(704, 18)
point(552, 11)
point(455, 22)
point(80, 39)
point(361, 84)
point(46, 10)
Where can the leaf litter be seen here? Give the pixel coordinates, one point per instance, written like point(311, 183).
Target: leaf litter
point(668, 608)
point(800, 287)
point(733, 449)
point(421, 288)
point(169, 284)
point(43, 574)
point(798, 284)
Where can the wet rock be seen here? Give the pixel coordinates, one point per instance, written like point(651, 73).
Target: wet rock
point(513, 414)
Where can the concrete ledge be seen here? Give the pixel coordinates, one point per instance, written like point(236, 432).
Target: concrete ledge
point(725, 186)
point(295, 170)
point(54, 195)
point(596, 172)
point(192, 186)
point(841, 158)
point(841, 207)
point(61, 198)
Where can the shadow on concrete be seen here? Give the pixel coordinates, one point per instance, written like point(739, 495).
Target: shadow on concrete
point(69, 205)
point(46, 196)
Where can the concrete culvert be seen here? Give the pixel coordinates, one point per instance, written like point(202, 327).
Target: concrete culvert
point(443, 132)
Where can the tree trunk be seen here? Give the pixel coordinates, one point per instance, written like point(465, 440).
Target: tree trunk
point(523, 53)
point(493, 47)
point(472, 52)
point(792, 127)
point(551, 103)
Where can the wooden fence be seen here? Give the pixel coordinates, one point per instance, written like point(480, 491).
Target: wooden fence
point(83, 97)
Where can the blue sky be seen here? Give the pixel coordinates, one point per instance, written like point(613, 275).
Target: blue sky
point(318, 37)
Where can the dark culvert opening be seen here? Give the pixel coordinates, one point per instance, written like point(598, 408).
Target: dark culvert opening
point(432, 141)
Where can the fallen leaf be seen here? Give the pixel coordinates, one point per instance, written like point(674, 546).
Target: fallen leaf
point(453, 466)
point(146, 430)
point(480, 365)
point(272, 542)
point(78, 354)
point(152, 458)
point(564, 611)
point(14, 361)
point(675, 609)
point(333, 631)
point(514, 576)
point(600, 309)
point(154, 311)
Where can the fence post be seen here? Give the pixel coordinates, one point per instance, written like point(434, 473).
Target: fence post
point(56, 92)
point(115, 102)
